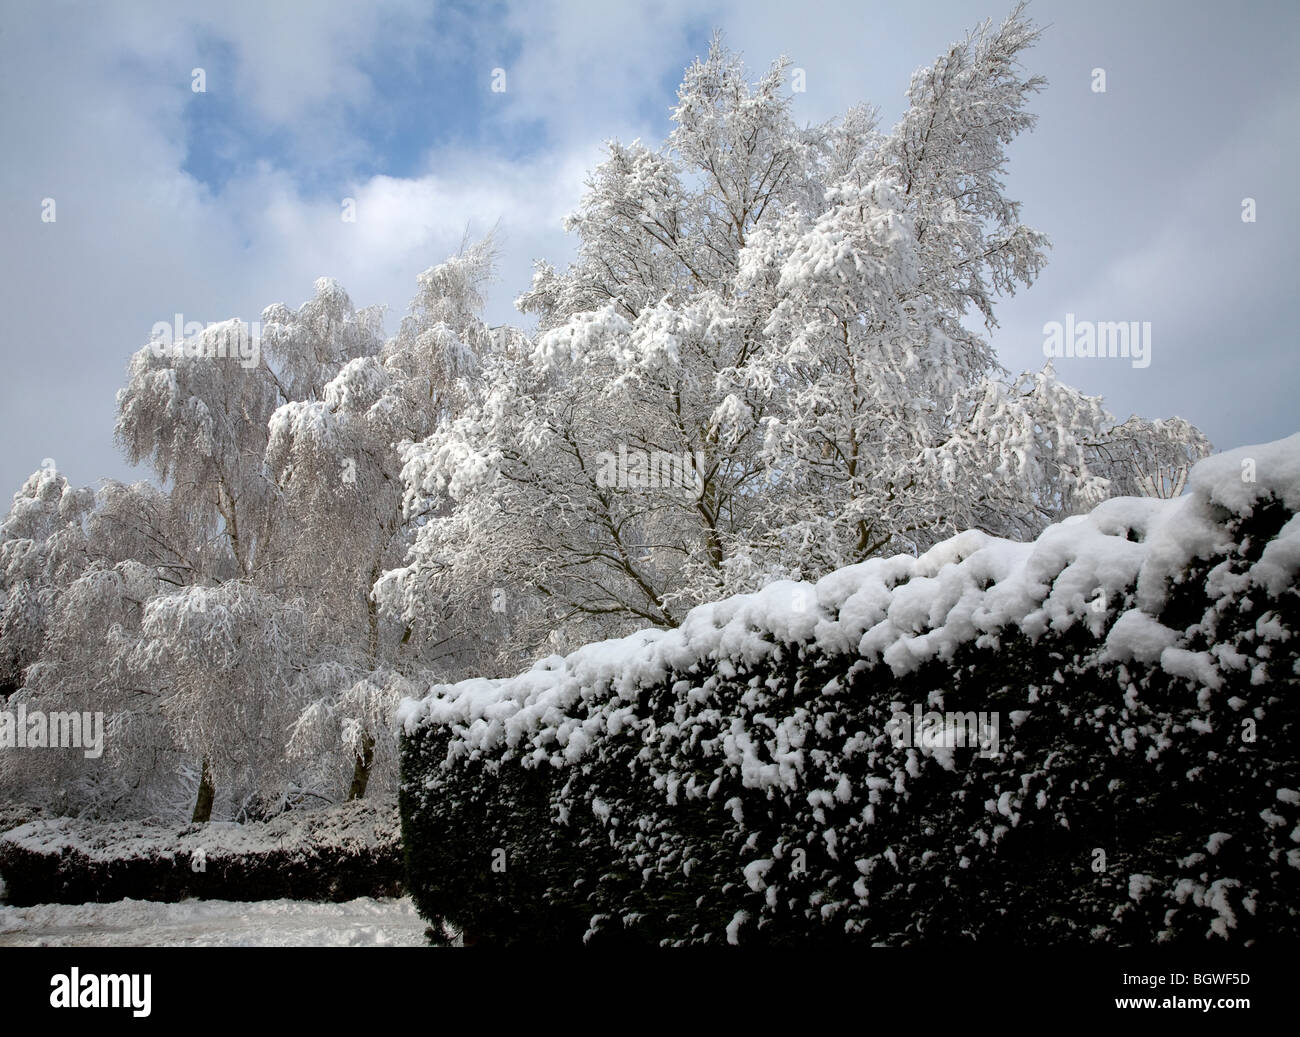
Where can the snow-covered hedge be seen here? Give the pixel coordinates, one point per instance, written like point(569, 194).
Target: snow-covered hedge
point(737, 779)
point(338, 853)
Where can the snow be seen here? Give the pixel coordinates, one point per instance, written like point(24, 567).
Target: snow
point(1136, 635)
point(733, 927)
point(1216, 841)
point(1139, 885)
point(366, 825)
point(900, 612)
point(754, 872)
point(1196, 666)
point(364, 922)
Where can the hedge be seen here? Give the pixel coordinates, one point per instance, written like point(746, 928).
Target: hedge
point(741, 779)
point(335, 854)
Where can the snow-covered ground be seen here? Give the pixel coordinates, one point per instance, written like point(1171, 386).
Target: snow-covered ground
point(364, 922)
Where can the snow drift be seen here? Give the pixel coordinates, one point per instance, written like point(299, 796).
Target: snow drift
point(735, 779)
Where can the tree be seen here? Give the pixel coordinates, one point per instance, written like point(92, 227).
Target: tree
point(43, 547)
point(227, 661)
point(91, 559)
point(783, 312)
point(96, 622)
point(352, 717)
point(336, 461)
point(198, 417)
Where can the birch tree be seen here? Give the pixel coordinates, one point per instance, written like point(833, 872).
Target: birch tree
point(789, 310)
point(336, 461)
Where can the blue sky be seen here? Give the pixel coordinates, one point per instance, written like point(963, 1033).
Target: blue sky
point(419, 101)
point(217, 204)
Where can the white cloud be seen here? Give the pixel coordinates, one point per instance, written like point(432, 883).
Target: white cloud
point(138, 239)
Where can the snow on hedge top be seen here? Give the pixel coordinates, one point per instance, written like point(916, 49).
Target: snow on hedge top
point(356, 826)
point(902, 611)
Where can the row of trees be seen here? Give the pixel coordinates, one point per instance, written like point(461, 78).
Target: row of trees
point(224, 622)
point(355, 516)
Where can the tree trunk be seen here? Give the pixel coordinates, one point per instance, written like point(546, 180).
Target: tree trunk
point(372, 616)
point(203, 804)
point(362, 761)
point(361, 766)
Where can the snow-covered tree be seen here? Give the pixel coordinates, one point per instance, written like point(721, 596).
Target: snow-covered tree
point(197, 413)
point(337, 464)
point(95, 624)
point(91, 559)
point(1142, 458)
point(306, 347)
point(55, 532)
point(226, 664)
point(350, 722)
point(43, 547)
point(284, 474)
point(198, 416)
point(784, 312)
